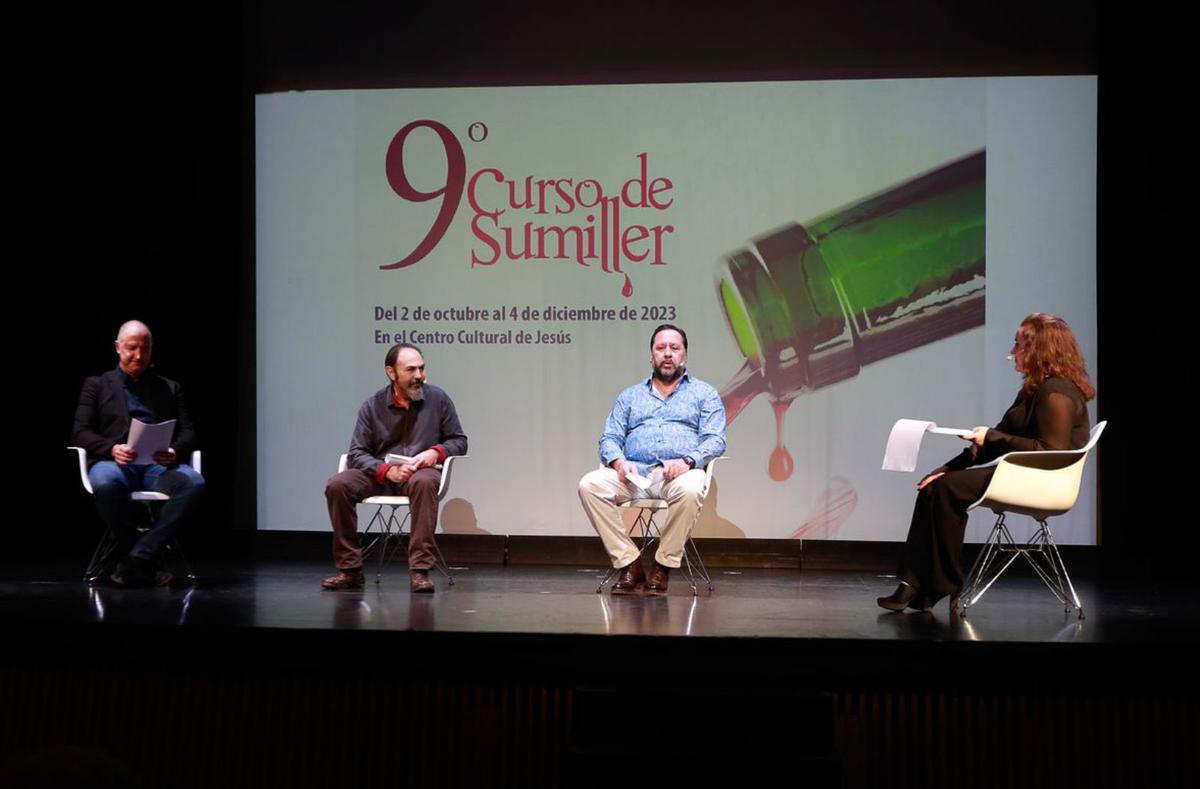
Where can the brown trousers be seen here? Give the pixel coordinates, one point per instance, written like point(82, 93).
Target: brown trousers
point(347, 489)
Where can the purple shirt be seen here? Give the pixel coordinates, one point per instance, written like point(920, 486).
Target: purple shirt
point(384, 427)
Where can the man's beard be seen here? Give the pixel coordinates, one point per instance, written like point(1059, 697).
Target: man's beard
point(671, 378)
point(415, 392)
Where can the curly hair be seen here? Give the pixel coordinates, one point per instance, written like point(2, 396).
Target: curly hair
point(1050, 351)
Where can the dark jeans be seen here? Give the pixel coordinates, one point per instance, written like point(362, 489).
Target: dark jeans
point(347, 489)
point(111, 485)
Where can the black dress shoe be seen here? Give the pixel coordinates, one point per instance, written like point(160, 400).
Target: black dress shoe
point(903, 595)
point(631, 579)
point(925, 602)
point(137, 571)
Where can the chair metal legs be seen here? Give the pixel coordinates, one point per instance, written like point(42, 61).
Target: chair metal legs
point(101, 565)
point(391, 538)
point(640, 533)
point(694, 566)
point(102, 558)
point(174, 546)
point(645, 532)
point(1001, 550)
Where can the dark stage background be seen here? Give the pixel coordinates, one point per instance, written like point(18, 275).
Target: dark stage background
point(138, 169)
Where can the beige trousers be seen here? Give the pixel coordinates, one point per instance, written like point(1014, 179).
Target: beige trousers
point(601, 493)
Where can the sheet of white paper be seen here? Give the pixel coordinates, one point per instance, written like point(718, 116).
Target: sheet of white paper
point(147, 439)
point(904, 442)
point(950, 431)
point(648, 486)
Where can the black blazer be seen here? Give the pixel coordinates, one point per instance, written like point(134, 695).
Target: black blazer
point(102, 418)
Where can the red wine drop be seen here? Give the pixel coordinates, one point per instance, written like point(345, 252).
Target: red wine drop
point(781, 465)
point(627, 289)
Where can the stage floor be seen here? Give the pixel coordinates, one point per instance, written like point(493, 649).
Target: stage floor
point(524, 676)
point(536, 600)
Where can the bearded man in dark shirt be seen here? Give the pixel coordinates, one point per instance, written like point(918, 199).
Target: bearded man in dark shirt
point(409, 418)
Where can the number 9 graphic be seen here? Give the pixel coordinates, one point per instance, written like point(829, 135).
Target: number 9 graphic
point(450, 192)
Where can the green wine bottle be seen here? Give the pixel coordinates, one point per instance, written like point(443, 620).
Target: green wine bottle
point(810, 304)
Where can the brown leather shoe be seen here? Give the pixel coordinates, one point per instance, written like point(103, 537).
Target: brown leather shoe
point(659, 576)
point(631, 578)
point(419, 583)
point(345, 579)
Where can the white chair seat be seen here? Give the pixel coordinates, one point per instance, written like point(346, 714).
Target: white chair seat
point(148, 495)
point(647, 504)
point(394, 501)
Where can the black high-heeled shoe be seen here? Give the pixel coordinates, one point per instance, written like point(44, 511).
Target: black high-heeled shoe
point(925, 603)
point(903, 595)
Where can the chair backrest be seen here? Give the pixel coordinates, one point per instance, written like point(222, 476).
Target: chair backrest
point(443, 484)
point(708, 473)
point(1038, 484)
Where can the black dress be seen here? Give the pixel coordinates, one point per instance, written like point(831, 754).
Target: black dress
point(1054, 417)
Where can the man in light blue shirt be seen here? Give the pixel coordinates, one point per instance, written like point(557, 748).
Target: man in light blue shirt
point(668, 427)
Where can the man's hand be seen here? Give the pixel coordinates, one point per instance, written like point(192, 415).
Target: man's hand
point(426, 459)
point(124, 454)
point(624, 468)
point(400, 473)
point(166, 457)
point(674, 468)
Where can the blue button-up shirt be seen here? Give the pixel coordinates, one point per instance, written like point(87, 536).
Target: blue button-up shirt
point(133, 398)
point(647, 428)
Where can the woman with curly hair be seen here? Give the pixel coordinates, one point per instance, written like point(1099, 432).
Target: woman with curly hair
point(1050, 412)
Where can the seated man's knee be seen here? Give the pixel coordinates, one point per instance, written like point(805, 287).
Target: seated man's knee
point(106, 478)
point(423, 482)
point(335, 487)
point(195, 483)
point(693, 481)
point(688, 487)
point(588, 482)
point(110, 487)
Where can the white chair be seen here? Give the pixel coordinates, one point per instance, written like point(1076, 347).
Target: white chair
point(646, 531)
point(1040, 485)
point(392, 528)
point(103, 555)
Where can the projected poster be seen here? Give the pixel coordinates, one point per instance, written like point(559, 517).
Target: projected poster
point(841, 254)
